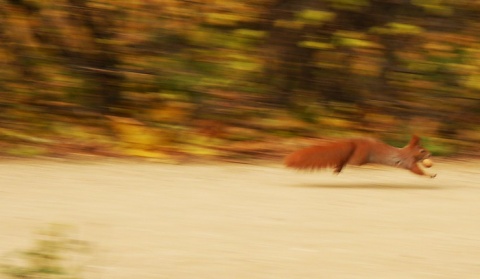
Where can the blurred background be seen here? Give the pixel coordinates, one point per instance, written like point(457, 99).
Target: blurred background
point(236, 79)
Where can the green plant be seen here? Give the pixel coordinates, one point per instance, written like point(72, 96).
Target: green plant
point(53, 255)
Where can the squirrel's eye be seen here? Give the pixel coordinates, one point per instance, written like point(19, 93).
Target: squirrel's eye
point(422, 150)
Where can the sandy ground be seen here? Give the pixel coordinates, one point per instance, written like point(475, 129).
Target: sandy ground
point(150, 220)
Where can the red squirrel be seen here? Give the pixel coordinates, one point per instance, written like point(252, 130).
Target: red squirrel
point(360, 151)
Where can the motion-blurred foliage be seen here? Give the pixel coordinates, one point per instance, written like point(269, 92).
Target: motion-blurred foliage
point(54, 255)
point(160, 78)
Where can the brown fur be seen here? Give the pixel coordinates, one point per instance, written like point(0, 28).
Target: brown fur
point(359, 151)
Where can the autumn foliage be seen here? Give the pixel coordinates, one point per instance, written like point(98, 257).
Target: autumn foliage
point(236, 78)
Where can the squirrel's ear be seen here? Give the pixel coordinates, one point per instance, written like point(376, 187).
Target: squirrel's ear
point(415, 141)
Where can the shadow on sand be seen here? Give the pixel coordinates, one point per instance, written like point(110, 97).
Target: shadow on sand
point(376, 186)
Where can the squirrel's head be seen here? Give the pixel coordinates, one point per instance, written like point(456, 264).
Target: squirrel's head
point(417, 150)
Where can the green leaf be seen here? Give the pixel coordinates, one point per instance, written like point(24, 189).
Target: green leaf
point(395, 28)
point(244, 66)
point(350, 42)
point(315, 45)
point(316, 15)
point(473, 82)
point(434, 7)
point(226, 19)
